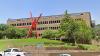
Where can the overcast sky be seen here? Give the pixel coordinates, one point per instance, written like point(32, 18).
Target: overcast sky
point(20, 8)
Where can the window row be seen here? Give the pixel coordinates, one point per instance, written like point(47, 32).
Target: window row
point(21, 24)
point(51, 28)
point(49, 22)
point(42, 22)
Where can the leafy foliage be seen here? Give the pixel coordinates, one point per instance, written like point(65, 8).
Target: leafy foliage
point(11, 32)
point(76, 30)
point(48, 34)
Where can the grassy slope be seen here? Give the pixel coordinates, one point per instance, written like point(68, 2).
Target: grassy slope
point(22, 42)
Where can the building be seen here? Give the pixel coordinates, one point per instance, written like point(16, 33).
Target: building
point(49, 22)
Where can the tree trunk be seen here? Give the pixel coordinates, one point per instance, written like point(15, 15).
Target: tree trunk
point(75, 42)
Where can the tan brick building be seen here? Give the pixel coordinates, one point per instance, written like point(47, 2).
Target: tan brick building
point(49, 22)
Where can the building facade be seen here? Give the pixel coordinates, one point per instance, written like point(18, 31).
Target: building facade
point(49, 22)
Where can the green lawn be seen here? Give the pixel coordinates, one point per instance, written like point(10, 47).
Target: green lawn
point(5, 43)
point(23, 42)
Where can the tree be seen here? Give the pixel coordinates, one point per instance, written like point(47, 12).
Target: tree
point(3, 27)
point(48, 34)
point(13, 32)
point(75, 29)
point(69, 27)
point(84, 32)
point(21, 32)
point(97, 31)
point(1, 34)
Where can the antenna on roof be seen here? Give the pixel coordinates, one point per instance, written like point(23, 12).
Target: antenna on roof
point(30, 15)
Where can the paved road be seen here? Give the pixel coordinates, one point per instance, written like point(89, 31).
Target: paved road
point(72, 53)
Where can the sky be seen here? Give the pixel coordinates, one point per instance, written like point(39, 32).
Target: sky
point(16, 9)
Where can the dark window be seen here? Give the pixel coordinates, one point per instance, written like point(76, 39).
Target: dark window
point(27, 23)
point(41, 22)
point(16, 50)
point(12, 24)
point(55, 21)
point(81, 13)
point(30, 23)
point(45, 22)
point(57, 27)
point(49, 22)
point(53, 28)
point(8, 50)
point(41, 28)
point(24, 23)
point(58, 21)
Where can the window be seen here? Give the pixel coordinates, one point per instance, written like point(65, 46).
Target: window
point(46, 22)
point(30, 23)
point(81, 13)
point(49, 22)
point(8, 50)
point(16, 50)
point(12, 24)
point(24, 23)
point(55, 21)
point(27, 23)
point(57, 27)
point(41, 22)
point(58, 21)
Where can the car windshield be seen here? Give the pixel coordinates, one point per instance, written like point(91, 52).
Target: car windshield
point(16, 50)
point(8, 50)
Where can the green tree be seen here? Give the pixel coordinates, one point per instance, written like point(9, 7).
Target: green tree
point(3, 27)
point(1, 34)
point(13, 32)
point(10, 32)
point(84, 32)
point(75, 29)
point(21, 32)
point(48, 34)
point(69, 27)
point(97, 31)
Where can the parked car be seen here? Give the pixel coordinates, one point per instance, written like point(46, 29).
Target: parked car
point(12, 52)
point(64, 55)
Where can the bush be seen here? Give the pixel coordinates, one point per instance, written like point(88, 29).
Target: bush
point(89, 47)
point(84, 47)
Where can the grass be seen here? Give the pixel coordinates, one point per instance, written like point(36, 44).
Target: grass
point(89, 47)
point(24, 42)
point(5, 43)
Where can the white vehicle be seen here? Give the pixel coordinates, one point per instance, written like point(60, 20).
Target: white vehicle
point(12, 52)
point(64, 55)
